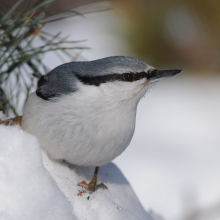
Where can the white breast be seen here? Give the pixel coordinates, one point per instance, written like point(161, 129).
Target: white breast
point(87, 130)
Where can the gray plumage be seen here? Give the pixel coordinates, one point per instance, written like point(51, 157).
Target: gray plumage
point(62, 79)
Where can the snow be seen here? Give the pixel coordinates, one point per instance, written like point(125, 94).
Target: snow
point(175, 149)
point(26, 188)
point(118, 202)
point(32, 186)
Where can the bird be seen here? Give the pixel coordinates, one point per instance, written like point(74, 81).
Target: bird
point(84, 112)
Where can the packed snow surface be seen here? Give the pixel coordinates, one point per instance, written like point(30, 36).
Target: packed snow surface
point(27, 190)
point(32, 188)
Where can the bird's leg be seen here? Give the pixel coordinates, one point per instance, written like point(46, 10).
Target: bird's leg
point(93, 182)
point(92, 185)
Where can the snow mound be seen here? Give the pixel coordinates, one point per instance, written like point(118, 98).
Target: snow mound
point(26, 188)
point(29, 191)
point(118, 202)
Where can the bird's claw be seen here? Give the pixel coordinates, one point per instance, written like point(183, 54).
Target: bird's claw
point(101, 186)
point(90, 187)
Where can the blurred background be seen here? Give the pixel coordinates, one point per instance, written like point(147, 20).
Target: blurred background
point(173, 160)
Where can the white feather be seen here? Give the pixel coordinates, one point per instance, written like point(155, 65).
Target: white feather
point(89, 127)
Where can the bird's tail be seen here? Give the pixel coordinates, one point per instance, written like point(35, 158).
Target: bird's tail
point(12, 121)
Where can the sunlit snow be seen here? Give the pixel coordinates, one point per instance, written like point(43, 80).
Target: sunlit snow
point(30, 191)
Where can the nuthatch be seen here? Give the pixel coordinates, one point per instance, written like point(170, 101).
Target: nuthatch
point(84, 112)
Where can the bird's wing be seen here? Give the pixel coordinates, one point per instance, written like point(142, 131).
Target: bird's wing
point(60, 81)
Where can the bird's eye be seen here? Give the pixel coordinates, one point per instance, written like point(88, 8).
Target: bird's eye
point(128, 77)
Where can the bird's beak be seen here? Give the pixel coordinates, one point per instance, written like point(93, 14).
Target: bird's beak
point(161, 74)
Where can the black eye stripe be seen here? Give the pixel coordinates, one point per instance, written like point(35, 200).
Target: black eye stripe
point(152, 73)
point(97, 80)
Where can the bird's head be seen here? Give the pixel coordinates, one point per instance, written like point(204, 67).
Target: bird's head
point(121, 77)
point(118, 77)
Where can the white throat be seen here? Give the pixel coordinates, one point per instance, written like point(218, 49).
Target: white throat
point(86, 127)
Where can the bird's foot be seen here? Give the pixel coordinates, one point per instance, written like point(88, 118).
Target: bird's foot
point(90, 187)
